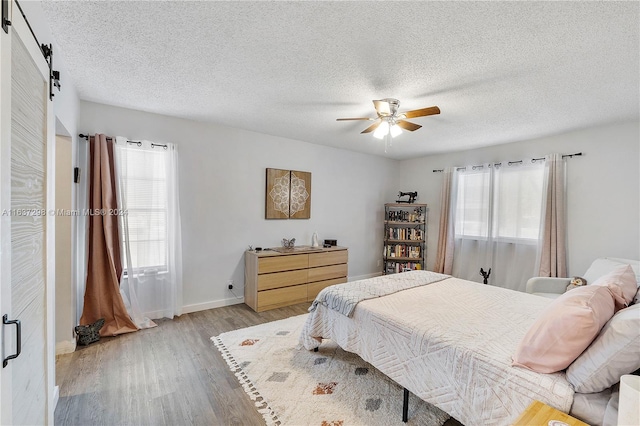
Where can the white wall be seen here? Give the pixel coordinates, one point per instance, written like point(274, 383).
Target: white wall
point(222, 196)
point(603, 188)
point(64, 313)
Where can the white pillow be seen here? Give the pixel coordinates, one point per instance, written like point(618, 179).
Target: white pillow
point(614, 352)
point(600, 267)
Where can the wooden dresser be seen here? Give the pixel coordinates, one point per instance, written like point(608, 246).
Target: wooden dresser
point(273, 279)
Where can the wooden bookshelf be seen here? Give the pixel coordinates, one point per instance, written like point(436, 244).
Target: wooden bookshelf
point(405, 235)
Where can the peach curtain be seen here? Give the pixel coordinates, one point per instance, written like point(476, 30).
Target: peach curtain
point(446, 242)
point(102, 298)
point(553, 257)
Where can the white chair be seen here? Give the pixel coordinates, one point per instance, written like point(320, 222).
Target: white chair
point(554, 287)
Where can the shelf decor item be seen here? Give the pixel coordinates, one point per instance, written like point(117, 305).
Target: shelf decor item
point(412, 197)
point(288, 194)
point(288, 243)
point(404, 237)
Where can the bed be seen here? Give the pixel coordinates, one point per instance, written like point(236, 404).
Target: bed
point(450, 342)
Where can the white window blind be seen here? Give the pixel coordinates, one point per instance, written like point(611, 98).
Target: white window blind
point(144, 187)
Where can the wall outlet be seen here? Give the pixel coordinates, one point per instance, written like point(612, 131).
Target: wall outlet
point(230, 284)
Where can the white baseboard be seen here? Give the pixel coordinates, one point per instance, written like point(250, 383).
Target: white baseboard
point(362, 277)
point(65, 347)
point(196, 307)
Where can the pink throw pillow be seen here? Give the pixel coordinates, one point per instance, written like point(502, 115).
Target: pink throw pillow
point(564, 329)
point(622, 284)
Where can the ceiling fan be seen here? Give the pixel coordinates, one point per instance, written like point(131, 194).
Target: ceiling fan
point(389, 121)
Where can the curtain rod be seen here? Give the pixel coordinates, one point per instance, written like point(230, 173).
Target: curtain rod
point(139, 143)
point(82, 136)
point(533, 160)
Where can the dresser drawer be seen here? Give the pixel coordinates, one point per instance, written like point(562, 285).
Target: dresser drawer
point(327, 272)
point(327, 258)
point(269, 299)
point(283, 263)
point(314, 288)
point(281, 279)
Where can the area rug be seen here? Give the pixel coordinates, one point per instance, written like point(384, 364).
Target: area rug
point(331, 387)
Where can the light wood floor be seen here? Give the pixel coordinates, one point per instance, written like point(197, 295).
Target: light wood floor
point(167, 375)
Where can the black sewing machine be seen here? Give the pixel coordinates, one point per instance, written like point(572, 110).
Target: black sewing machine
point(412, 197)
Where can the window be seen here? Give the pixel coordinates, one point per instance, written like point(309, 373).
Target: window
point(497, 218)
point(472, 206)
point(143, 186)
point(518, 203)
point(502, 202)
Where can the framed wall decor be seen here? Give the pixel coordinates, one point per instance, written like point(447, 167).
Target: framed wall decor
point(288, 194)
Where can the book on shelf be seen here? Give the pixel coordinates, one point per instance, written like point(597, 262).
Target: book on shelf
point(416, 216)
point(397, 267)
point(402, 250)
point(405, 234)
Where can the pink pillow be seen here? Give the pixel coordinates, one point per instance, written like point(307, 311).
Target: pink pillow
point(564, 329)
point(622, 284)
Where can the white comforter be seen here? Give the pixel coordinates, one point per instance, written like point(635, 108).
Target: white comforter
point(450, 343)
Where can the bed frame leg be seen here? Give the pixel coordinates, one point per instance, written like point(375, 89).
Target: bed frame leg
point(405, 405)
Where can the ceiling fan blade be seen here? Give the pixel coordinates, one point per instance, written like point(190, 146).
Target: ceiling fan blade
point(382, 107)
point(372, 127)
point(408, 126)
point(422, 112)
point(359, 118)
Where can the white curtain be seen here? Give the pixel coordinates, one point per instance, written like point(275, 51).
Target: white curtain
point(496, 215)
point(152, 243)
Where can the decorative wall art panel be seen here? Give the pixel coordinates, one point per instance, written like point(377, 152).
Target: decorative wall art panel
point(288, 194)
point(277, 197)
point(300, 199)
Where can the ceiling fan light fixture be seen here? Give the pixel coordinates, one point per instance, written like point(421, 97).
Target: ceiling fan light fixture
point(382, 130)
point(395, 130)
point(389, 123)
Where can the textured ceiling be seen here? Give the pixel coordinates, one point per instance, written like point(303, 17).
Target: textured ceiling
point(499, 71)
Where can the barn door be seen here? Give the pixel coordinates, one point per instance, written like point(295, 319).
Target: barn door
point(26, 127)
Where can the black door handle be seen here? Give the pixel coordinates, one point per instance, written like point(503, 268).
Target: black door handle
point(5, 320)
